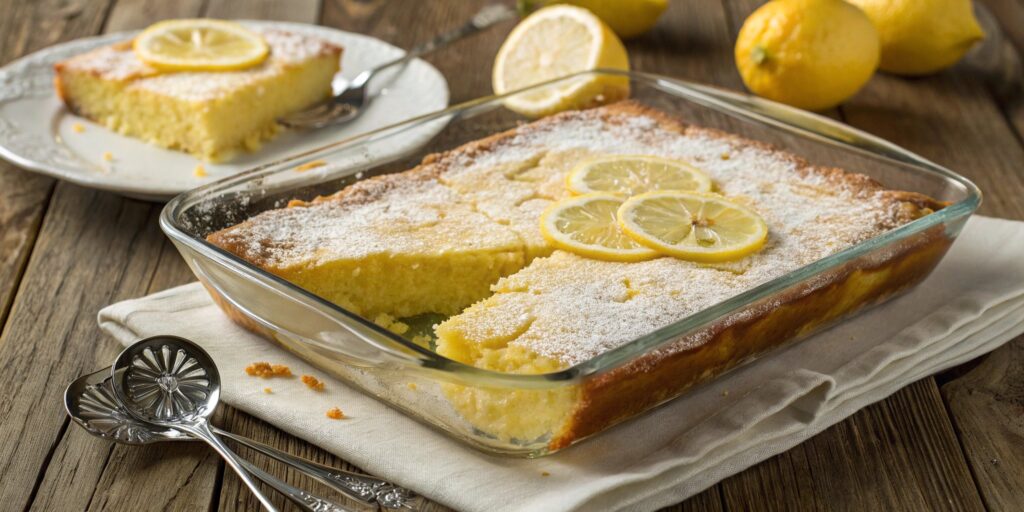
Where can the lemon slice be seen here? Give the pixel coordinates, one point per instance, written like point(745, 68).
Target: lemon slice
point(553, 42)
point(693, 226)
point(199, 45)
point(635, 174)
point(587, 225)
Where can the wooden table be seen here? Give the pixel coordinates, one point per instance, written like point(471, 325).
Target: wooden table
point(954, 441)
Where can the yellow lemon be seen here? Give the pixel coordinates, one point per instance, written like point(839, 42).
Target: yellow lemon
point(628, 18)
point(812, 54)
point(634, 174)
point(587, 225)
point(922, 36)
point(199, 45)
point(551, 43)
point(693, 226)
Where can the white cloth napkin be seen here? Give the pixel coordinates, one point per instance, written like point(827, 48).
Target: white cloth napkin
point(972, 303)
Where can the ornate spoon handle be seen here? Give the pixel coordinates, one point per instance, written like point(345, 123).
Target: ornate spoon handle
point(306, 501)
point(365, 488)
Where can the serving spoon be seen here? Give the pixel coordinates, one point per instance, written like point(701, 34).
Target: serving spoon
point(92, 404)
point(367, 489)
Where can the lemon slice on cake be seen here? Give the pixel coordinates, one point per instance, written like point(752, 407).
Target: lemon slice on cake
point(554, 42)
point(199, 45)
point(635, 174)
point(692, 226)
point(587, 225)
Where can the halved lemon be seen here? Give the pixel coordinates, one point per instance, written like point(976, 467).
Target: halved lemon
point(554, 42)
point(199, 45)
point(635, 174)
point(587, 225)
point(693, 226)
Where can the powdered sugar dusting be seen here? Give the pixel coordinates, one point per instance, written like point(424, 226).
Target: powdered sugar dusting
point(565, 306)
point(579, 308)
point(415, 217)
point(119, 63)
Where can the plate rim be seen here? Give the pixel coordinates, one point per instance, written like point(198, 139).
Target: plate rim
point(46, 57)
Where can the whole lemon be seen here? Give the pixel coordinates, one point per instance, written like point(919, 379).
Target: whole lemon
point(627, 18)
point(812, 54)
point(922, 36)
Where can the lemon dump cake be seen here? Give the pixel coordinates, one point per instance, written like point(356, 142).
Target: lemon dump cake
point(461, 235)
point(210, 114)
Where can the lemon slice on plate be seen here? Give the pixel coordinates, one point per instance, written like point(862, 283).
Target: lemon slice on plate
point(553, 42)
point(587, 225)
point(199, 45)
point(635, 174)
point(693, 226)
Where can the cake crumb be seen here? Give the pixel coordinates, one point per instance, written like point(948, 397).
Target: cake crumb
point(199, 171)
point(391, 323)
point(310, 165)
point(545, 473)
point(267, 390)
point(78, 127)
point(335, 413)
point(267, 370)
point(725, 156)
point(412, 386)
point(108, 156)
point(312, 382)
point(725, 392)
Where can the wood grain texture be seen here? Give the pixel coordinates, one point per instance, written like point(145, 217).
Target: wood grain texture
point(870, 461)
point(988, 407)
point(93, 249)
point(89, 249)
point(24, 28)
point(86, 473)
point(837, 468)
point(404, 23)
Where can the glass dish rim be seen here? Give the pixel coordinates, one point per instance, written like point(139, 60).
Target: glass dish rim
point(735, 104)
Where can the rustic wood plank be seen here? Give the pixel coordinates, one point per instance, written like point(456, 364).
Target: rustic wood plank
point(867, 462)
point(987, 405)
point(836, 468)
point(93, 249)
point(986, 401)
point(302, 11)
point(999, 59)
point(951, 118)
point(25, 28)
point(466, 64)
point(87, 473)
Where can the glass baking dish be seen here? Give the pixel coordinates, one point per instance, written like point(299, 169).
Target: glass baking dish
point(593, 395)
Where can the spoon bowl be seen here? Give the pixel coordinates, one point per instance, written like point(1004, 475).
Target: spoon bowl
point(167, 380)
point(91, 403)
point(173, 383)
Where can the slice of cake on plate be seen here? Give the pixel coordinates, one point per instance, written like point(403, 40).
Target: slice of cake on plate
point(206, 87)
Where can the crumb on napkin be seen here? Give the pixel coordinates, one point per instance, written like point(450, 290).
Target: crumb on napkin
point(335, 413)
point(267, 370)
point(199, 171)
point(267, 390)
point(312, 382)
point(78, 127)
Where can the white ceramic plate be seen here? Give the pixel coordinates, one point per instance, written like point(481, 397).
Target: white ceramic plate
point(36, 131)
